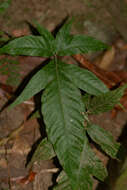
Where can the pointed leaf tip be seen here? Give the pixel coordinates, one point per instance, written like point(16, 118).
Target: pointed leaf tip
point(37, 83)
point(28, 45)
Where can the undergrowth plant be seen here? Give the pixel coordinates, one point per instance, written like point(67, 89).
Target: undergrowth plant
point(65, 110)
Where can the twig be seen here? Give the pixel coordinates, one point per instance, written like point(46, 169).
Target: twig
point(53, 170)
point(109, 78)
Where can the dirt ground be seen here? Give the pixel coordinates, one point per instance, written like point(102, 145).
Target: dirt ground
point(104, 20)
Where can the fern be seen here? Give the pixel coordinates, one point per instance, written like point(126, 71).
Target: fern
point(63, 108)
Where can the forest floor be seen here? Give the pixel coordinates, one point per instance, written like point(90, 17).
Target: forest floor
point(105, 20)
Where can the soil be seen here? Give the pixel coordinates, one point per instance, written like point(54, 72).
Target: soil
point(95, 18)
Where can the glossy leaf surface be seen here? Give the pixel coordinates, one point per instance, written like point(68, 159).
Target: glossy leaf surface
point(86, 80)
point(28, 45)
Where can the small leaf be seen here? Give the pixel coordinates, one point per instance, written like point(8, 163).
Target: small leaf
point(86, 80)
point(93, 164)
point(63, 37)
point(28, 45)
point(44, 32)
point(105, 101)
point(36, 84)
point(83, 44)
point(104, 139)
point(46, 35)
point(67, 44)
point(44, 151)
point(63, 182)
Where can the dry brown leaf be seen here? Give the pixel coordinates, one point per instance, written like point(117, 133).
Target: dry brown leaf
point(3, 163)
point(20, 32)
point(20, 146)
point(105, 61)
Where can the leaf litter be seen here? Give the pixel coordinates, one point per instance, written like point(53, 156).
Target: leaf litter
point(114, 78)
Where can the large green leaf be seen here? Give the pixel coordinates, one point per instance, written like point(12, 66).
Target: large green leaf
point(44, 151)
point(67, 44)
point(28, 45)
point(36, 84)
point(62, 109)
point(104, 139)
point(86, 80)
point(104, 102)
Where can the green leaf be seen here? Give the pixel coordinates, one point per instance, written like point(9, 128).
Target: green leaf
point(36, 84)
point(63, 182)
point(63, 38)
point(35, 114)
point(44, 32)
point(62, 110)
point(28, 45)
point(105, 101)
point(93, 164)
point(86, 80)
point(67, 44)
point(46, 35)
point(80, 44)
point(104, 139)
point(44, 151)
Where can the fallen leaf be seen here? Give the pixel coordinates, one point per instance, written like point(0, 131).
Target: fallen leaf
point(25, 180)
point(28, 179)
point(106, 59)
point(20, 32)
point(20, 146)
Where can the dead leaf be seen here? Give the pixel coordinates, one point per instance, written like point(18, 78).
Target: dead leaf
point(3, 163)
point(28, 179)
point(106, 59)
point(20, 32)
point(25, 180)
point(20, 146)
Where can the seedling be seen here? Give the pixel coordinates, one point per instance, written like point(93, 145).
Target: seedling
point(64, 109)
